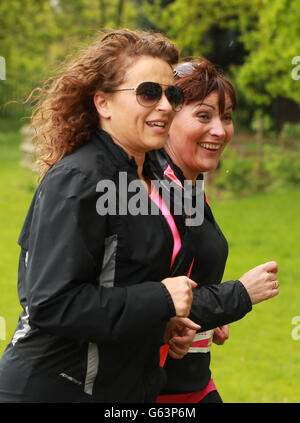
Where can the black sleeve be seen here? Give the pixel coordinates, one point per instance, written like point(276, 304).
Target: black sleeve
point(65, 252)
point(220, 304)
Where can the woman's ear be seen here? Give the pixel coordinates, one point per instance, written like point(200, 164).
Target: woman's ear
point(101, 102)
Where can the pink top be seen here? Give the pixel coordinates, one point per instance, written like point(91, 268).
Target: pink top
point(156, 198)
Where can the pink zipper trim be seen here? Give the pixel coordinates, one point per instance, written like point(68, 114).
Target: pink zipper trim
point(156, 198)
point(169, 172)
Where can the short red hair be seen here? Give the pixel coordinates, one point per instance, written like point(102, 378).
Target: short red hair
point(199, 77)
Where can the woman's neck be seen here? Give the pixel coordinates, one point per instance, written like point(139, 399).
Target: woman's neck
point(188, 173)
point(139, 158)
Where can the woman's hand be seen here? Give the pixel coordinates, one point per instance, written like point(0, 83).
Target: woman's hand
point(181, 291)
point(261, 282)
point(179, 335)
point(221, 334)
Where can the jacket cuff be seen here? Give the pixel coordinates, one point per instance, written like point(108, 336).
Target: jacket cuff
point(245, 296)
point(169, 300)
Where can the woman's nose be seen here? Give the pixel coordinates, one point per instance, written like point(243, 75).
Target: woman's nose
point(217, 128)
point(164, 104)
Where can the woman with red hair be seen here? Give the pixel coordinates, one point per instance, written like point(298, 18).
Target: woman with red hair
point(199, 133)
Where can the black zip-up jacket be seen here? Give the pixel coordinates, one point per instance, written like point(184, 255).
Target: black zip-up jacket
point(214, 303)
point(94, 310)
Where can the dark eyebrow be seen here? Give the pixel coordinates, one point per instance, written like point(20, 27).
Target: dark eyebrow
point(213, 107)
point(208, 105)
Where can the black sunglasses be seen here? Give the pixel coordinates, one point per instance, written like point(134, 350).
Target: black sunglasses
point(149, 93)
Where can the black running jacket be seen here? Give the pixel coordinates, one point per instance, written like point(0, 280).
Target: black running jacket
point(214, 303)
point(94, 307)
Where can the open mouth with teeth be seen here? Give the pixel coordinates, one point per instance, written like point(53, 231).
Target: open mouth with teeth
point(157, 124)
point(210, 147)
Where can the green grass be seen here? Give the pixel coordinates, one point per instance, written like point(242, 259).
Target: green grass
point(260, 361)
point(16, 190)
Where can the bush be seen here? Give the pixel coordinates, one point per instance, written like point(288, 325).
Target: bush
point(290, 130)
point(282, 165)
point(235, 173)
point(239, 174)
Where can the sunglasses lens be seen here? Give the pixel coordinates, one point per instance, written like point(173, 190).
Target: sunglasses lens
point(148, 93)
point(175, 96)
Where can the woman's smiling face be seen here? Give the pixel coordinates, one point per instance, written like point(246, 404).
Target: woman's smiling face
point(199, 134)
point(137, 128)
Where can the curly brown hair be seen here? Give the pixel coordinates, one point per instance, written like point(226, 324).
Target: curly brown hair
point(65, 116)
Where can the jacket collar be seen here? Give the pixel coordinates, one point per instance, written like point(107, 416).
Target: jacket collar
point(119, 155)
point(158, 162)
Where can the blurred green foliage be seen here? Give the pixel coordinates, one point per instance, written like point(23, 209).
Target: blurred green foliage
point(268, 30)
point(238, 173)
point(36, 36)
point(257, 41)
point(290, 130)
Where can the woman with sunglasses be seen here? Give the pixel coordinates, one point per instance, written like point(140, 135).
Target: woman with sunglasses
point(197, 138)
point(94, 279)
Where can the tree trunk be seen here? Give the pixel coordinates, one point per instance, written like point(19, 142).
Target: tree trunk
point(260, 145)
point(102, 7)
point(259, 175)
point(120, 12)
